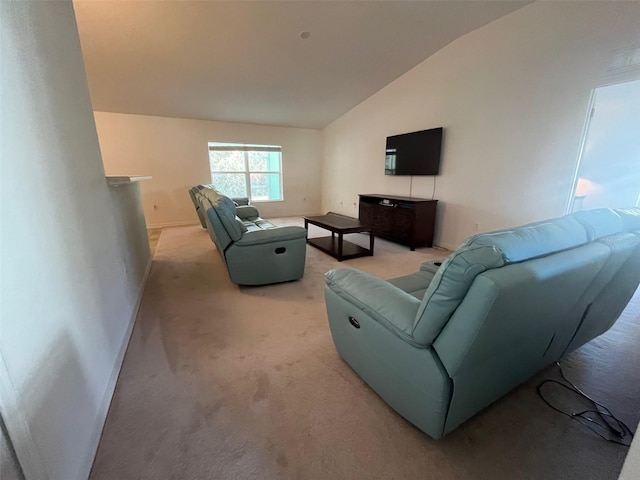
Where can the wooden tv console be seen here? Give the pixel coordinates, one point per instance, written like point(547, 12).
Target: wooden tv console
point(407, 220)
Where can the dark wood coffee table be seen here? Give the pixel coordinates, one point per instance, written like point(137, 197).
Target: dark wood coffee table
point(340, 224)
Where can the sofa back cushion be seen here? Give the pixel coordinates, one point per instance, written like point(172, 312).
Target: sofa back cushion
point(213, 225)
point(225, 210)
point(194, 193)
point(534, 240)
point(507, 326)
point(210, 194)
point(485, 252)
point(599, 223)
point(449, 286)
point(614, 286)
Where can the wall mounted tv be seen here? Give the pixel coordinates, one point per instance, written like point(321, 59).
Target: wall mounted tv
point(415, 153)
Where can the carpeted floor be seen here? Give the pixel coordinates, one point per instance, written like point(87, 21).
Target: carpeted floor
point(228, 382)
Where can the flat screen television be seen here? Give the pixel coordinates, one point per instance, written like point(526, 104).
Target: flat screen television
point(415, 153)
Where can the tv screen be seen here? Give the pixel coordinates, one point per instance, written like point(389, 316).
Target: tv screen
point(415, 153)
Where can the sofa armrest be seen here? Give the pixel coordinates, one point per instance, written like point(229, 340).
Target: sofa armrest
point(239, 201)
point(278, 234)
point(247, 211)
point(432, 265)
point(388, 305)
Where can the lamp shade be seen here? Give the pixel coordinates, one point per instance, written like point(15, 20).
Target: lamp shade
point(583, 187)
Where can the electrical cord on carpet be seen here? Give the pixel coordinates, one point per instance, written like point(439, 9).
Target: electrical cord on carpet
point(599, 420)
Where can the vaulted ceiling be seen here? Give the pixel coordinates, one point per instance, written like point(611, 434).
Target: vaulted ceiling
point(247, 61)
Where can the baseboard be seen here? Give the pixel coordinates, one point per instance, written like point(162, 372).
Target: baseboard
point(446, 246)
point(632, 462)
point(29, 460)
point(172, 224)
point(105, 404)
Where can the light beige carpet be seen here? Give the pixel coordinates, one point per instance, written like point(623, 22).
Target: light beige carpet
point(228, 382)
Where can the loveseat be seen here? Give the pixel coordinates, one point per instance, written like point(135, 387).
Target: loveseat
point(443, 343)
point(255, 251)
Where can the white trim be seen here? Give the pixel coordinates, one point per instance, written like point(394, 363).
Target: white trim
point(624, 67)
point(585, 132)
point(451, 248)
point(630, 75)
point(246, 147)
point(105, 404)
point(19, 433)
point(631, 465)
point(173, 224)
point(116, 181)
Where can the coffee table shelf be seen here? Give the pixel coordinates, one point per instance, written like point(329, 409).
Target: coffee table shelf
point(336, 245)
point(329, 245)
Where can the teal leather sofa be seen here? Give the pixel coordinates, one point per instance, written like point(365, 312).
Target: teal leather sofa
point(255, 251)
point(193, 194)
point(443, 343)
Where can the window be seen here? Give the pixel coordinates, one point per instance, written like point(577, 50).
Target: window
point(253, 171)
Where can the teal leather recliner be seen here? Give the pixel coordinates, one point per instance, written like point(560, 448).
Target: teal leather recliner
point(440, 345)
point(255, 251)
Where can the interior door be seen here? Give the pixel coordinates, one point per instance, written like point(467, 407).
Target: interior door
point(609, 169)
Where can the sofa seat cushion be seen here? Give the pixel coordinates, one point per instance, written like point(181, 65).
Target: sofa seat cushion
point(415, 284)
point(264, 224)
point(271, 235)
point(256, 224)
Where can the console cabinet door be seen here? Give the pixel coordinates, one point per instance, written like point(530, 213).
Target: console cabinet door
point(403, 220)
point(406, 220)
point(367, 213)
point(383, 222)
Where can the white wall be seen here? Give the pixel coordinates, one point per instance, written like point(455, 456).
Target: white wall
point(175, 152)
point(513, 98)
point(74, 251)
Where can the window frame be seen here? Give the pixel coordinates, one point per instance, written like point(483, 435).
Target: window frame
point(246, 148)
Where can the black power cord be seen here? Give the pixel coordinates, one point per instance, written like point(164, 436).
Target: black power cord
point(599, 420)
